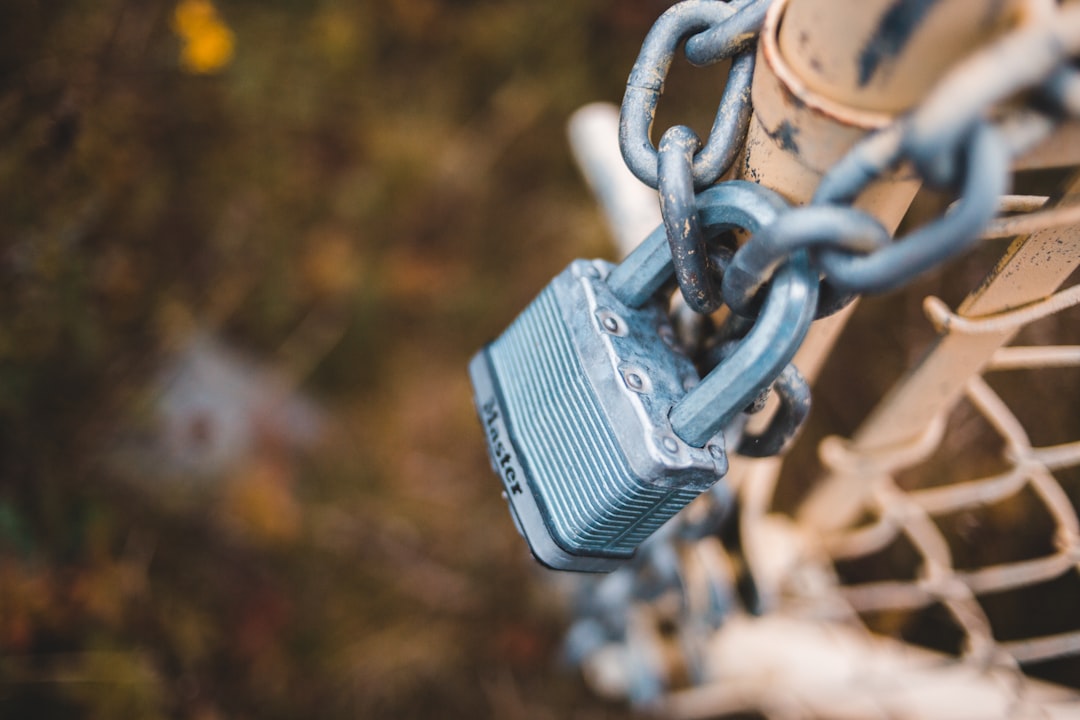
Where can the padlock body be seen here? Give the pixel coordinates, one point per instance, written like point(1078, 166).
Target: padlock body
point(574, 399)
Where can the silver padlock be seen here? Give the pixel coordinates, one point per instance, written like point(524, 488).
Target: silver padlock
point(596, 421)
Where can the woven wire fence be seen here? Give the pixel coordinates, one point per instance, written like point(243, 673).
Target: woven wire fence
point(921, 517)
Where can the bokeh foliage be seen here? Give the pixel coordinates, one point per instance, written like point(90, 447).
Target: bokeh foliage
point(355, 194)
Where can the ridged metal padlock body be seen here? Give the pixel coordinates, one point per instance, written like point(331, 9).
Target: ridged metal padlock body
point(598, 424)
point(574, 398)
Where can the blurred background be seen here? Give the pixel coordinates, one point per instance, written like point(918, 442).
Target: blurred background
point(246, 250)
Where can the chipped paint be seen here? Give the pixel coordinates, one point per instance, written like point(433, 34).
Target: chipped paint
point(896, 28)
point(784, 135)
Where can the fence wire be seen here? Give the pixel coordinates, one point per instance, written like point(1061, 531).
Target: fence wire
point(915, 515)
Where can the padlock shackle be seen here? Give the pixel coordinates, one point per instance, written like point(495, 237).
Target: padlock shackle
point(758, 359)
point(729, 205)
point(793, 394)
point(778, 331)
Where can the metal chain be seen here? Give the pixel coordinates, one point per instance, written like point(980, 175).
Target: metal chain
point(948, 139)
point(727, 25)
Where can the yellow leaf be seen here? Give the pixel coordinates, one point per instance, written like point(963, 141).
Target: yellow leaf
point(208, 43)
point(260, 504)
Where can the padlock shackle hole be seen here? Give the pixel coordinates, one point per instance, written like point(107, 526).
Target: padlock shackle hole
point(736, 204)
point(757, 360)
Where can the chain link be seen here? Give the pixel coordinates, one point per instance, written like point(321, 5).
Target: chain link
point(982, 174)
point(693, 270)
point(689, 19)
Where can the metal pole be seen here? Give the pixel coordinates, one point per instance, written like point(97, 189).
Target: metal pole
point(885, 55)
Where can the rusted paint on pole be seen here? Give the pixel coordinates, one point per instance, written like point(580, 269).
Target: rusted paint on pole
point(812, 101)
point(886, 54)
point(797, 134)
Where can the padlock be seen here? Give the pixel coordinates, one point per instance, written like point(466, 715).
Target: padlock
point(596, 422)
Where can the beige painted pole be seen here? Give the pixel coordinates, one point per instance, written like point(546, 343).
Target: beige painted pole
point(885, 55)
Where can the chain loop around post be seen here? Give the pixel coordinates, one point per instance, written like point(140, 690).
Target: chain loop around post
point(984, 161)
point(828, 226)
point(989, 108)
